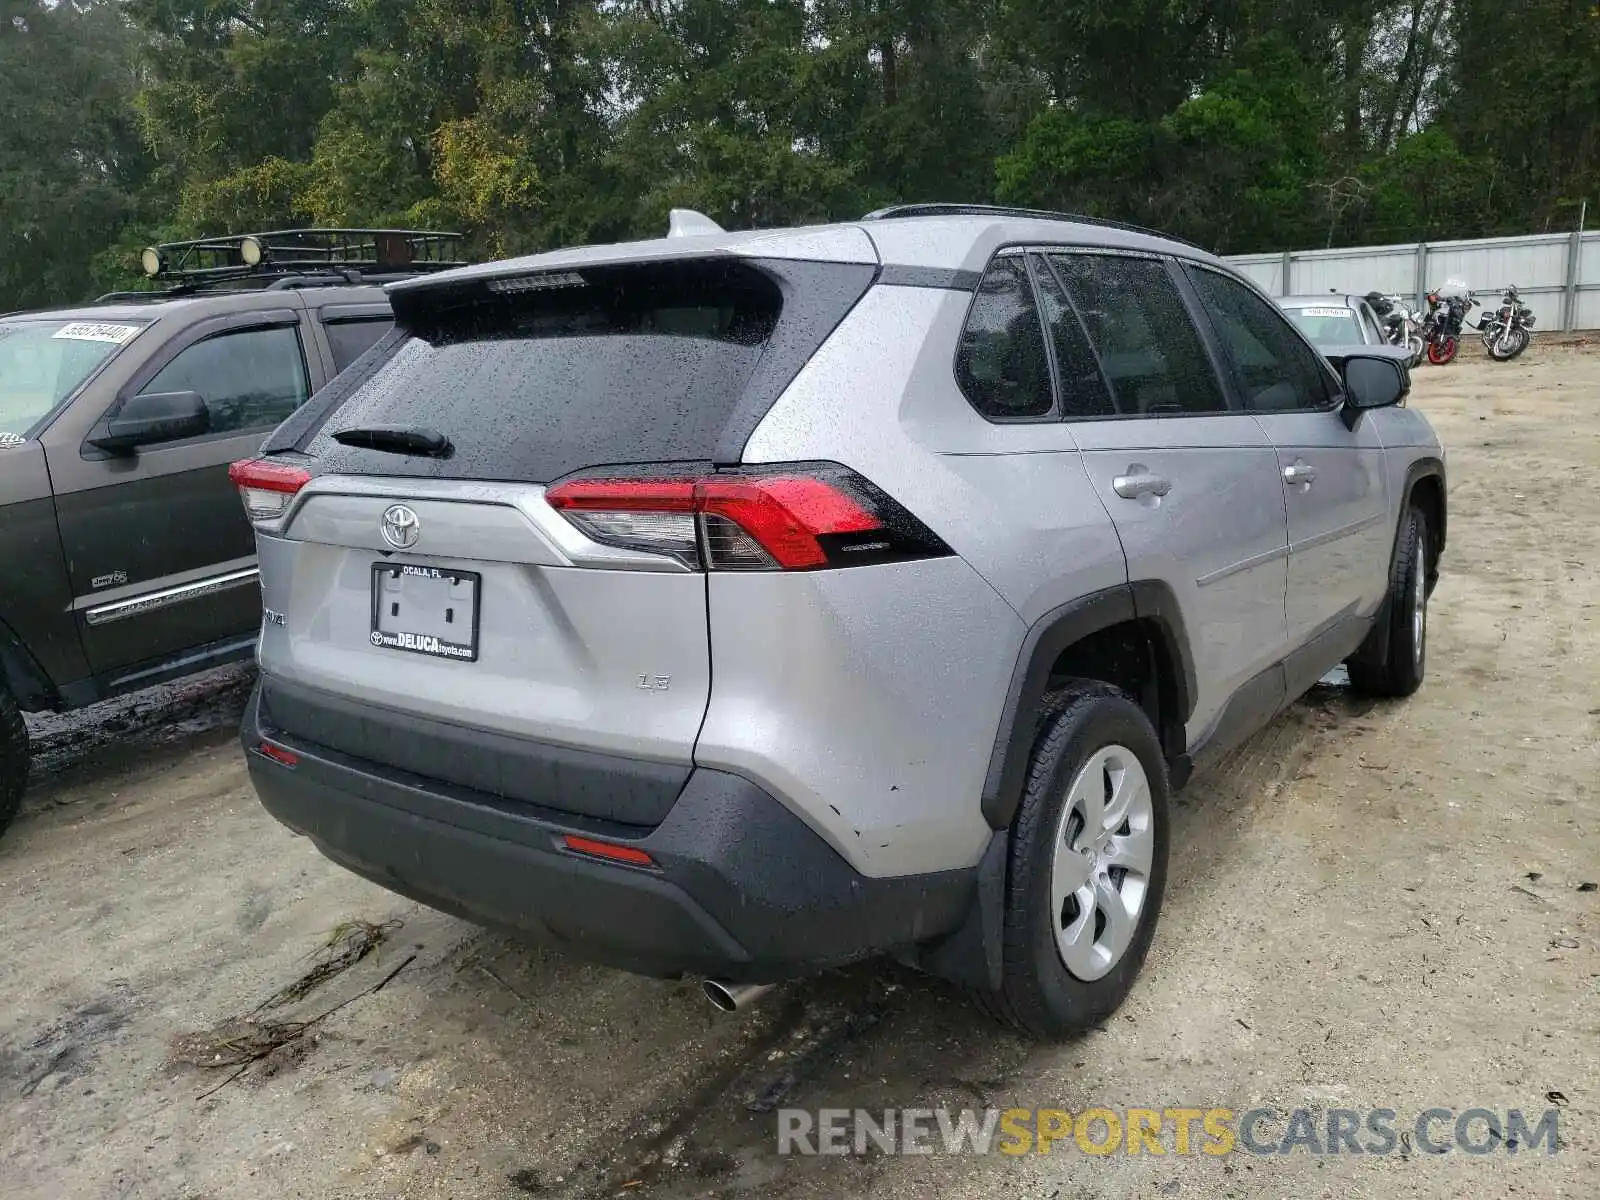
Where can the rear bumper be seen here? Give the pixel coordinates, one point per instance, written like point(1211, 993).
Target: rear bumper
point(741, 887)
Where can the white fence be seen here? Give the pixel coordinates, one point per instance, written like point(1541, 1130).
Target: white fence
point(1549, 269)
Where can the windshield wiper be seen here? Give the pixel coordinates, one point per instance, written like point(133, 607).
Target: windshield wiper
point(397, 439)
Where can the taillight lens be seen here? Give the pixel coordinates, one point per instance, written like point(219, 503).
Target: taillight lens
point(266, 487)
point(790, 518)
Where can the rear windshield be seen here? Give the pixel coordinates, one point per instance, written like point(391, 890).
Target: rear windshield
point(618, 365)
point(43, 362)
point(1328, 325)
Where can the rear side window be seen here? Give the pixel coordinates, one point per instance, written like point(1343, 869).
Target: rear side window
point(1000, 361)
point(632, 364)
point(1275, 369)
point(349, 340)
point(1083, 388)
point(1140, 327)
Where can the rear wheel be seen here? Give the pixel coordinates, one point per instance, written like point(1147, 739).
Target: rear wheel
point(1400, 670)
point(1442, 350)
point(13, 758)
point(1088, 864)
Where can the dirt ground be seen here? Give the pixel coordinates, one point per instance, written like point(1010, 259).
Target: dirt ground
point(1370, 906)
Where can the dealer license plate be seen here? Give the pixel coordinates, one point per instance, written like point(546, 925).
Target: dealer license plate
point(425, 610)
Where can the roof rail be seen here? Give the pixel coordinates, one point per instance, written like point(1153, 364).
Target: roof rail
point(266, 281)
point(896, 211)
point(355, 253)
point(145, 297)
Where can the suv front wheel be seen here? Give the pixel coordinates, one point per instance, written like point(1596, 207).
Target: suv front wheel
point(13, 758)
point(1400, 670)
point(1088, 864)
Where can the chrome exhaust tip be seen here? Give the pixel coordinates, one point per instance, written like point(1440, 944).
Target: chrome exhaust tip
point(733, 997)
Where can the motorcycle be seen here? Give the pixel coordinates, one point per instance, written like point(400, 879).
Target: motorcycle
point(1441, 329)
point(1401, 325)
point(1505, 329)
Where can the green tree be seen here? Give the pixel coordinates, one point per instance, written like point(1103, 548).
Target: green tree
point(71, 164)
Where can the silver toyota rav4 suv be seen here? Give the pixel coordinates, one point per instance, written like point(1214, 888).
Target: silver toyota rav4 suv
point(744, 604)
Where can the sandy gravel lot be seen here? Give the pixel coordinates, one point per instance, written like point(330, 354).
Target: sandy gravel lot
point(1371, 906)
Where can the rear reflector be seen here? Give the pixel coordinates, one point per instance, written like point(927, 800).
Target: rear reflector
point(279, 755)
point(266, 487)
point(623, 854)
point(791, 518)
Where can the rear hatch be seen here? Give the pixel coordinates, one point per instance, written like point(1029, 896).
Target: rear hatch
point(454, 589)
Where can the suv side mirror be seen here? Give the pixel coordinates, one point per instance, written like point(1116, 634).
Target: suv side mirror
point(154, 417)
point(1371, 381)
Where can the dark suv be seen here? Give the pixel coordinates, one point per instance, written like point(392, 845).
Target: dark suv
point(125, 558)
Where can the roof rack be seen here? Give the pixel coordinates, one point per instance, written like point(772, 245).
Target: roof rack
point(896, 211)
point(316, 257)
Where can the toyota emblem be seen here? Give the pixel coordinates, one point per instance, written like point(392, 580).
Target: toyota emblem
point(401, 527)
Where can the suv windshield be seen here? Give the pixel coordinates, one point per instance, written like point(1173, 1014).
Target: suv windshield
point(1328, 325)
point(43, 362)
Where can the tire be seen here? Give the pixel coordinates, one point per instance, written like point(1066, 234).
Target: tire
point(1401, 669)
point(1088, 733)
point(13, 758)
point(1513, 346)
point(1442, 350)
point(1418, 348)
point(1523, 337)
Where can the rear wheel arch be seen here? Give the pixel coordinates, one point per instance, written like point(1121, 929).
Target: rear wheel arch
point(1131, 636)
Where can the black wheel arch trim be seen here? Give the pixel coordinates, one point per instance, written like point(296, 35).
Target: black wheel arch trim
point(1429, 467)
point(21, 674)
point(1376, 646)
point(1056, 631)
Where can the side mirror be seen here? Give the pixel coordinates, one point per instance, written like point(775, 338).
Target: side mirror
point(154, 417)
point(1371, 381)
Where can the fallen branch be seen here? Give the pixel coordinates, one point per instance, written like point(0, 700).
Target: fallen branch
point(346, 946)
point(244, 1042)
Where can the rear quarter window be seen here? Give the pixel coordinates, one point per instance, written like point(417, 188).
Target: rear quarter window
point(349, 340)
point(1000, 361)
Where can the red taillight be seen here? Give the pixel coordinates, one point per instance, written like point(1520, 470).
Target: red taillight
point(766, 519)
point(267, 487)
point(622, 854)
point(786, 515)
point(279, 755)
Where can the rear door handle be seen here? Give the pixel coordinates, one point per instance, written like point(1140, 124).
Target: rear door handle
point(1139, 482)
point(1299, 472)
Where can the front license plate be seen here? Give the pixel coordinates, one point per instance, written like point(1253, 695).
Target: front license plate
point(425, 610)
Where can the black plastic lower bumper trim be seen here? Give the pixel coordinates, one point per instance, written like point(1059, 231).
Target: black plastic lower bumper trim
point(742, 888)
